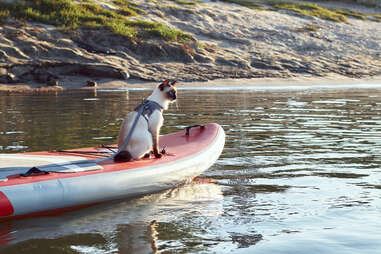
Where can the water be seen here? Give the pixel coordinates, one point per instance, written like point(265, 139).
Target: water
point(300, 173)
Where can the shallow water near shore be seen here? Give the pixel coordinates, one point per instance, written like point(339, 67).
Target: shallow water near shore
point(300, 173)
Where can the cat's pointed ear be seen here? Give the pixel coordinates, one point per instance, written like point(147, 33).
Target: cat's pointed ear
point(162, 85)
point(174, 83)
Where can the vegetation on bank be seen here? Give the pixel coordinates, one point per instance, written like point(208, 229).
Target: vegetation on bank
point(70, 16)
point(4, 14)
point(306, 9)
point(312, 10)
point(128, 9)
point(185, 2)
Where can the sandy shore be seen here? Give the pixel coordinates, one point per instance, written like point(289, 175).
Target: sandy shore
point(332, 81)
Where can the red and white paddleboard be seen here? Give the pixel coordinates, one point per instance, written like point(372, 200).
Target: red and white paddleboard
point(64, 184)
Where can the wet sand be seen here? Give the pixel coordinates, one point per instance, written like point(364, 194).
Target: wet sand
point(281, 83)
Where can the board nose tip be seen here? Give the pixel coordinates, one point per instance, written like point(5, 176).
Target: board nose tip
point(6, 208)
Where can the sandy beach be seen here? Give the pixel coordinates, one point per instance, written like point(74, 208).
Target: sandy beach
point(334, 81)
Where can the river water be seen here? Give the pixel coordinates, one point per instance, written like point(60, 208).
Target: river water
point(300, 173)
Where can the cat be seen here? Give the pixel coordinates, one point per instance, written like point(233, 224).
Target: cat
point(145, 137)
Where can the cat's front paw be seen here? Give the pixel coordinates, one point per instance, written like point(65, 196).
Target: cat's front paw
point(158, 155)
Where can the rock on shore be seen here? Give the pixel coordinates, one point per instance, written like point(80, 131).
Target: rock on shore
point(231, 41)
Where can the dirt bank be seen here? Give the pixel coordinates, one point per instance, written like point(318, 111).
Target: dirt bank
point(230, 42)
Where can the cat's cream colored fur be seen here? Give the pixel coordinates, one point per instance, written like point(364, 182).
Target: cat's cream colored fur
point(145, 137)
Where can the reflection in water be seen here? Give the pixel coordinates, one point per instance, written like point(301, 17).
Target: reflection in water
point(132, 225)
point(300, 173)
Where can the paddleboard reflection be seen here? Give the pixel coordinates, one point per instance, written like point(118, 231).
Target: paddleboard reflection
point(129, 226)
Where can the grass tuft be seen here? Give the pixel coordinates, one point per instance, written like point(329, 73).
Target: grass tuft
point(4, 14)
point(127, 12)
point(185, 2)
point(128, 9)
point(312, 10)
point(353, 14)
point(153, 29)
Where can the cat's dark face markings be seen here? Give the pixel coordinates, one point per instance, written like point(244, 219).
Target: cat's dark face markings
point(169, 89)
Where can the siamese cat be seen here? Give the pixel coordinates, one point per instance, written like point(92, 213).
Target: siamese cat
point(145, 137)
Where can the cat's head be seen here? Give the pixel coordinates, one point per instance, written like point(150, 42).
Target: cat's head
point(169, 90)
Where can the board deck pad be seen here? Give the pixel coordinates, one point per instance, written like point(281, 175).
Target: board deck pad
point(11, 164)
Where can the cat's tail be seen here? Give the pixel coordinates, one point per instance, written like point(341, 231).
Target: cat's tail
point(123, 156)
